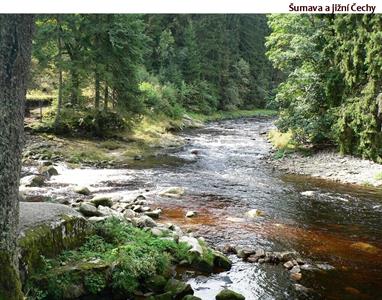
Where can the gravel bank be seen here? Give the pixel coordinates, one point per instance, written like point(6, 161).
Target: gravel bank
point(330, 165)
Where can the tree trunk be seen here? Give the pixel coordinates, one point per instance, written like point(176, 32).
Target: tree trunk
point(75, 86)
point(15, 53)
point(59, 44)
point(97, 87)
point(106, 97)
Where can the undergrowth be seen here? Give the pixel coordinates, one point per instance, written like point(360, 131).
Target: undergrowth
point(118, 256)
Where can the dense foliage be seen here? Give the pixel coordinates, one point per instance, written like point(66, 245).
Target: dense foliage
point(149, 64)
point(118, 256)
point(332, 66)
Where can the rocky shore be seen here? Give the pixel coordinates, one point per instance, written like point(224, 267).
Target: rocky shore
point(330, 165)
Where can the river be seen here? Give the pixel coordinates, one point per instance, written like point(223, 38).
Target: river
point(228, 176)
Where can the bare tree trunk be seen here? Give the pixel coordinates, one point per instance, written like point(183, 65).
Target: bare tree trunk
point(15, 52)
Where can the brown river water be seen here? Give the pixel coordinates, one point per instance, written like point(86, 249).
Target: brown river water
point(230, 176)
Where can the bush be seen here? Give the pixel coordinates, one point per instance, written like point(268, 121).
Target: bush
point(88, 122)
point(161, 99)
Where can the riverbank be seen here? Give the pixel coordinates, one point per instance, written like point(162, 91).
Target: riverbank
point(142, 146)
point(223, 171)
point(325, 164)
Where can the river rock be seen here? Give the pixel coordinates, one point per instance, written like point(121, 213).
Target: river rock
point(48, 171)
point(178, 289)
point(229, 249)
point(195, 151)
point(129, 213)
point(144, 221)
point(253, 213)
point(154, 214)
point(288, 265)
point(221, 261)
point(89, 210)
point(245, 252)
point(108, 212)
point(227, 294)
point(302, 289)
point(173, 192)
point(284, 256)
point(325, 267)
point(193, 243)
point(191, 214)
point(308, 193)
point(33, 181)
point(296, 276)
point(191, 297)
point(46, 229)
point(102, 200)
point(365, 247)
point(82, 190)
point(97, 219)
point(295, 269)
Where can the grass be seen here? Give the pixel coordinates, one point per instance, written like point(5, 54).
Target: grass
point(148, 135)
point(36, 95)
point(378, 176)
point(283, 142)
point(222, 115)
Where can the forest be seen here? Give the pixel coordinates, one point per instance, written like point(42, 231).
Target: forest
point(190, 156)
point(106, 71)
point(94, 66)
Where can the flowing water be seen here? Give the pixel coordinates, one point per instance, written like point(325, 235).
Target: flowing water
point(228, 176)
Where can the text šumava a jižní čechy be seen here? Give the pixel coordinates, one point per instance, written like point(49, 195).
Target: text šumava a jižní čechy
point(333, 8)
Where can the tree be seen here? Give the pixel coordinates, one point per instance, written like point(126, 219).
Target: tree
point(15, 53)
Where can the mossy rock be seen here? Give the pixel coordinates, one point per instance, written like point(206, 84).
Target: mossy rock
point(156, 283)
point(82, 190)
point(33, 181)
point(191, 297)
point(74, 280)
point(48, 171)
point(164, 296)
point(221, 261)
point(227, 294)
point(178, 289)
point(102, 200)
point(46, 230)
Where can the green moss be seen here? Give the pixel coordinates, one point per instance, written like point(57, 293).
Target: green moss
point(10, 285)
point(117, 256)
point(50, 242)
point(378, 176)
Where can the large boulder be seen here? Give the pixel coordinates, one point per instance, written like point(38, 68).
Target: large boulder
point(46, 229)
point(227, 294)
point(193, 244)
point(33, 181)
